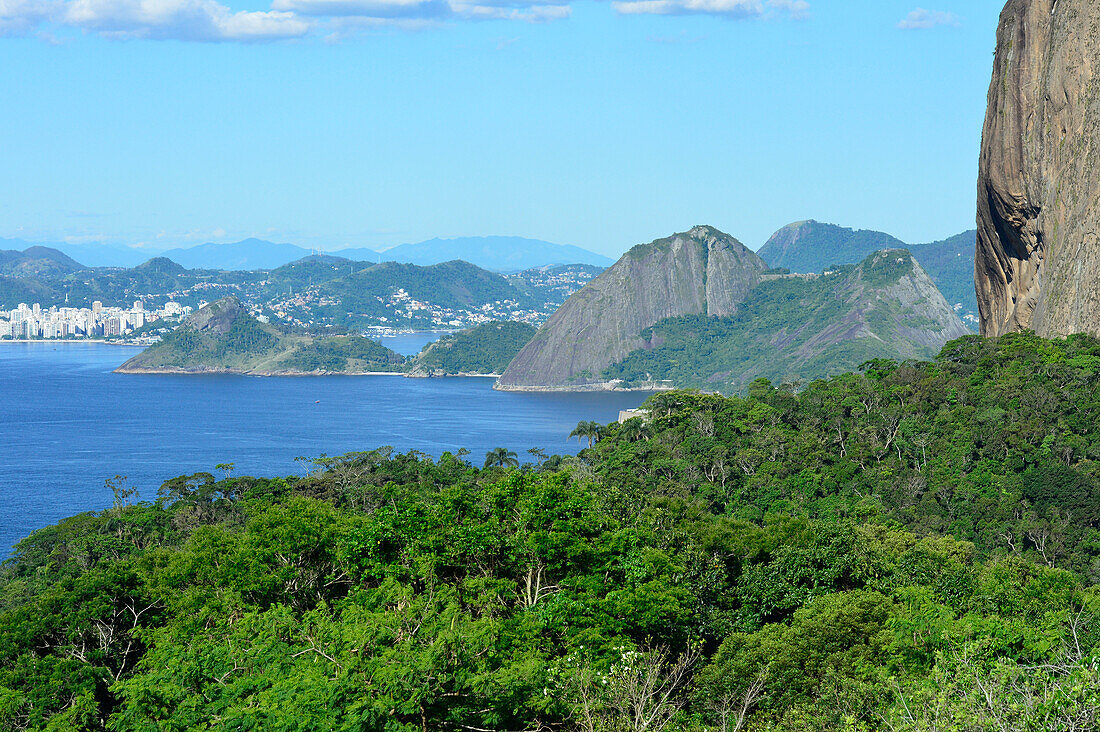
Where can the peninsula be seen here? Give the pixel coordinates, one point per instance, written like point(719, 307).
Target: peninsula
point(224, 337)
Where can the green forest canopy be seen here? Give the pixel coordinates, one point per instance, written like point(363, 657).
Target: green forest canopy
point(487, 348)
point(911, 547)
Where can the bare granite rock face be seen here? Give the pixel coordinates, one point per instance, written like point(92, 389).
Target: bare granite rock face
point(699, 271)
point(217, 317)
point(1037, 262)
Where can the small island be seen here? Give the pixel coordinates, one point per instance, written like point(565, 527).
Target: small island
point(224, 337)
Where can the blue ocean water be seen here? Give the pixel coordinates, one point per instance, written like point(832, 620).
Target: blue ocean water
point(69, 424)
point(410, 344)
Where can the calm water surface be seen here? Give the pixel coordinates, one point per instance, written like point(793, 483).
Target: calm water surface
point(410, 344)
point(69, 424)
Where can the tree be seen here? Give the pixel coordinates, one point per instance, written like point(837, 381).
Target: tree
point(121, 491)
point(539, 454)
point(641, 692)
point(634, 429)
point(501, 457)
point(592, 430)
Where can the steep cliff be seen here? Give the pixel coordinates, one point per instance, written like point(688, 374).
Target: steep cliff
point(799, 327)
point(1037, 262)
point(702, 271)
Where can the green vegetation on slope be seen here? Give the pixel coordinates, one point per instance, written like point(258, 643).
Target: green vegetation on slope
point(951, 264)
point(810, 246)
point(346, 293)
point(36, 261)
point(789, 328)
point(448, 285)
point(484, 349)
point(911, 548)
point(225, 337)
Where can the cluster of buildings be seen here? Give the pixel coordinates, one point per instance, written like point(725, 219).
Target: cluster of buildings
point(408, 309)
point(33, 321)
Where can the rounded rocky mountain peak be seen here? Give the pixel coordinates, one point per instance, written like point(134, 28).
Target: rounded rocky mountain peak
point(700, 271)
point(217, 316)
point(713, 237)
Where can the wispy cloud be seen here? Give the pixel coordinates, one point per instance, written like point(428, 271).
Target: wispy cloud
point(18, 17)
point(921, 19)
point(383, 9)
point(188, 20)
point(736, 9)
point(217, 21)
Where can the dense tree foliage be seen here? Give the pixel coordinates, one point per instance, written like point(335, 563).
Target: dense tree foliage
point(487, 348)
point(914, 547)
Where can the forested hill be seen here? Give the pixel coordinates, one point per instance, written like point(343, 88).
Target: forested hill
point(812, 246)
point(909, 548)
point(487, 348)
point(800, 328)
point(314, 290)
point(224, 337)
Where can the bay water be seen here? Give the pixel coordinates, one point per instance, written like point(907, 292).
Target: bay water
point(68, 424)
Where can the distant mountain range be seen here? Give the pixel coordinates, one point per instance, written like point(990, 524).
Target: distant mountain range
point(495, 253)
point(243, 255)
point(498, 253)
point(311, 291)
point(809, 247)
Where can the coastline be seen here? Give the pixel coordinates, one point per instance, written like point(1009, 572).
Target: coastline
point(606, 386)
point(459, 375)
point(46, 341)
point(241, 372)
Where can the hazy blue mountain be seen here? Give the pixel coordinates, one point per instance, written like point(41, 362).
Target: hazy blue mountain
point(359, 254)
point(241, 255)
point(498, 253)
point(808, 247)
point(36, 261)
point(104, 255)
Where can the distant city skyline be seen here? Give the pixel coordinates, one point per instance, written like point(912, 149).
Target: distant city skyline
point(603, 125)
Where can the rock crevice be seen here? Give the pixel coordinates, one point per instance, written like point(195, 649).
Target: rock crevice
point(1037, 261)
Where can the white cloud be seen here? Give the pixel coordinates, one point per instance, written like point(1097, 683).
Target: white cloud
point(425, 10)
point(741, 9)
point(921, 19)
point(366, 8)
point(189, 20)
point(18, 17)
point(215, 20)
point(527, 13)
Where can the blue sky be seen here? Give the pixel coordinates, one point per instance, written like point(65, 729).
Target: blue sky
point(332, 123)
